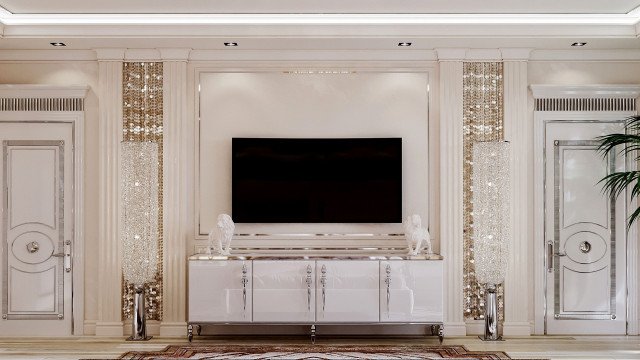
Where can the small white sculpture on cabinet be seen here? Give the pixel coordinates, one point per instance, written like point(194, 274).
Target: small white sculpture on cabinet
point(220, 237)
point(417, 237)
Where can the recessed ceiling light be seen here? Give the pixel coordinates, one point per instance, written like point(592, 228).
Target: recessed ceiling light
point(231, 44)
point(579, 44)
point(58, 44)
point(404, 44)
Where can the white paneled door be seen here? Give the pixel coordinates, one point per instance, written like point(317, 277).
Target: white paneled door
point(36, 228)
point(585, 232)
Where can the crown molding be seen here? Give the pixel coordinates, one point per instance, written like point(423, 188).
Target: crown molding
point(466, 54)
point(313, 55)
point(42, 91)
point(584, 91)
point(142, 55)
point(110, 54)
point(174, 54)
point(451, 54)
point(314, 19)
point(47, 55)
point(301, 30)
point(585, 55)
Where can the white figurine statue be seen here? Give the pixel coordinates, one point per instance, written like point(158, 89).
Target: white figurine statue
point(417, 237)
point(222, 235)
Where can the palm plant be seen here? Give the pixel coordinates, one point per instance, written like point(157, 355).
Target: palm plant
point(615, 183)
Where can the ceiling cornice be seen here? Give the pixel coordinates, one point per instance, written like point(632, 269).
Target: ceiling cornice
point(314, 19)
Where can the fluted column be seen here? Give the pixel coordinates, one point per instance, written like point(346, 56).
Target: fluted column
point(109, 270)
point(517, 130)
point(175, 192)
point(451, 163)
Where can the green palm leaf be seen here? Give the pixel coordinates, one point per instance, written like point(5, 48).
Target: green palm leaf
point(628, 144)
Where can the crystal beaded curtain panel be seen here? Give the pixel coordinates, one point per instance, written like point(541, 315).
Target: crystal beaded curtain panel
point(483, 121)
point(142, 121)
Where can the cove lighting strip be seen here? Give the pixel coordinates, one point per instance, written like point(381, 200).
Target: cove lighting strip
point(8, 18)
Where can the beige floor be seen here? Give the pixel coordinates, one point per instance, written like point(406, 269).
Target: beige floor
point(550, 347)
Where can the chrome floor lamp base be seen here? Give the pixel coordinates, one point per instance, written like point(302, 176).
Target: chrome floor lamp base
point(139, 323)
point(491, 315)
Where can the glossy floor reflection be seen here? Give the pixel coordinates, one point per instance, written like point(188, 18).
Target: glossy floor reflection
point(549, 347)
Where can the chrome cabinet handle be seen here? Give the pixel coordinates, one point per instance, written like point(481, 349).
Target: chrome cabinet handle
point(244, 286)
point(387, 281)
point(323, 281)
point(560, 254)
point(309, 282)
point(550, 256)
point(66, 255)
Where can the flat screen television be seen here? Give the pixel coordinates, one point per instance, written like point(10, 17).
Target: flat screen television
point(354, 180)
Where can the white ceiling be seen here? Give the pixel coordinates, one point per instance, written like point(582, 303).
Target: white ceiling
point(319, 6)
point(319, 24)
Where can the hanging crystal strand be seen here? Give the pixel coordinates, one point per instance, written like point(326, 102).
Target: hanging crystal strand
point(482, 121)
point(142, 122)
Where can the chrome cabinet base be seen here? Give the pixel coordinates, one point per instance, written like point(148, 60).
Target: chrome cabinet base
point(433, 329)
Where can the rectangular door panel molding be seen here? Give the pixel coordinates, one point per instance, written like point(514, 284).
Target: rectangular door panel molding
point(34, 230)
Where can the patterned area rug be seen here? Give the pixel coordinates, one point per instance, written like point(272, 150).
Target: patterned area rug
point(322, 352)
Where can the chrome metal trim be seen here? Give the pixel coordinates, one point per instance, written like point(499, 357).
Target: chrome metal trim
point(387, 281)
point(42, 104)
point(311, 256)
point(244, 287)
point(323, 281)
point(611, 158)
point(309, 282)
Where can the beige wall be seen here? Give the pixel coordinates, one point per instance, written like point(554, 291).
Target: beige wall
point(73, 73)
point(276, 104)
point(86, 73)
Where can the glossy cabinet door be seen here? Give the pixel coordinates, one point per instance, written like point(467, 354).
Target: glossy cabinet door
point(284, 291)
point(411, 291)
point(347, 291)
point(220, 291)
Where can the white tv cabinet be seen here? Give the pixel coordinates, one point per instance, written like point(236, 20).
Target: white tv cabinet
point(315, 291)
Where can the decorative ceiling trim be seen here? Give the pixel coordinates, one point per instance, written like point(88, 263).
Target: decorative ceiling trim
point(315, 19)
point(466, 54)
point(42, 91)
point(585, 91)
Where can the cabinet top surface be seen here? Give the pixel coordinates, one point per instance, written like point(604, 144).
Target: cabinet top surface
point(206, 257)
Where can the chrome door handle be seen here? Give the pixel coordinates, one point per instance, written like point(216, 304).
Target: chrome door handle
point(323, 281)
point(244, 287)
point(387, 280)
point(309, 282)
point(66, 255)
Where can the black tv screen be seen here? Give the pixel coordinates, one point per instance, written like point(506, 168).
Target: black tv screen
point(317, 180)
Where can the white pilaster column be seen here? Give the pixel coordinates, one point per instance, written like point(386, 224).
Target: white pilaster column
point(451, 164)
point(175, 192)
point(109, 264)
point(518, 131)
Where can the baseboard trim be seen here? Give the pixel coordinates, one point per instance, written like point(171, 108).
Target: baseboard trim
point(109, 328)
point(89, 327)
point(455, 329)
point(474, 327)
point(516, 328)
point(173, 329)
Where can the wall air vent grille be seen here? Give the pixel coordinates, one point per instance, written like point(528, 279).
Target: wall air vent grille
point(586, 104)
point(41, 104)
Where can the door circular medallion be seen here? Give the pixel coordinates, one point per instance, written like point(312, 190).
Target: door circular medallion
point(585, 247)
point(32, 247)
